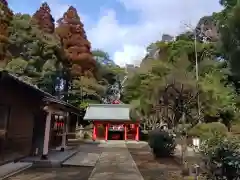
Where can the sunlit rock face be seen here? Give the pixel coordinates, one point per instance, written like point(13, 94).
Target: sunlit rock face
point(5, 18)
point(207, 29)
point(167, 38)
point(76, 46)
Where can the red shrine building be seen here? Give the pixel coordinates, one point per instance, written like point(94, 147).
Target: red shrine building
point(112, 122)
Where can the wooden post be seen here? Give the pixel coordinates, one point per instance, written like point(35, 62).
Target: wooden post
point(64, 136)
point(125, 132)
point(137, 132)
point(96, 129)
point(106, 132)
point(46, 135)
point(94, 132)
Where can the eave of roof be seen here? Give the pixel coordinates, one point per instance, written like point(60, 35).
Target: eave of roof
point(5, 75)
point(108, 112)
point(67, 106)
point(46, 97)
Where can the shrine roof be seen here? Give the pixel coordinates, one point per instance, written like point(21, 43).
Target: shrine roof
point(108, 112)
point(8, 79)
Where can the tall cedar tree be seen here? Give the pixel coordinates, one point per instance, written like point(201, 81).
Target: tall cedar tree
point(44, 19)
point(5, 19)
point(76, 46)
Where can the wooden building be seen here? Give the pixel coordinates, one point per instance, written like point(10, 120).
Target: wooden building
point(24, 109)
point(115, 121)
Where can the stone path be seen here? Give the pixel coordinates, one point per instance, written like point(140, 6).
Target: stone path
point(116, 164)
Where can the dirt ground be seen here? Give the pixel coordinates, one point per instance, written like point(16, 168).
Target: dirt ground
point(154, 169)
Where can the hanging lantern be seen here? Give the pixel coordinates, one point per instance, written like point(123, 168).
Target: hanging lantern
point(116, 102)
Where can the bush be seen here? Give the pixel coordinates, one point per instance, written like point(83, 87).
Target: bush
point(86, 136)
point(222, 157)
point(162, 143)
point(235, 129)
point(206, 130)
point(144, 135)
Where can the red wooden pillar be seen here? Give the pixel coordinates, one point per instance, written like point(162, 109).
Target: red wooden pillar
point(94, 136)
point(137, 132)
point(96, 131)
point(125, 132)
point(106, 132)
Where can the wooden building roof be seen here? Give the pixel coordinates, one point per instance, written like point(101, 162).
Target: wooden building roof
point(108, 112)
point(47, 98)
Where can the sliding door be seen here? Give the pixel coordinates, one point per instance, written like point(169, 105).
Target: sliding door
point(4, 114)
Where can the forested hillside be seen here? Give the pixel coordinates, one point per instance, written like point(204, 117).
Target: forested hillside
point(198, 80)
point(54, 54)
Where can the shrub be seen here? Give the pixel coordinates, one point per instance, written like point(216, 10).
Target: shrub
point(86, 136)
point(206, 130)
point(144, 135)
point(162, 143)
point(222, 157)
point(235, 129)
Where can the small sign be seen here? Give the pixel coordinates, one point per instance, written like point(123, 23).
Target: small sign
point(196, 142)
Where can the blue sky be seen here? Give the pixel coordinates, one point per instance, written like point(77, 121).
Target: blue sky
point(125, 27)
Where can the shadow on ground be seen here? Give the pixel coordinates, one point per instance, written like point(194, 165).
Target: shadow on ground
point(69, 173)
point(151, 168)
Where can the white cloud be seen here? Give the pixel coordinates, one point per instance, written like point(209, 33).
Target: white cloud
point(128, 42)
point(129, 54)
point(58, 9)
point(107, 33)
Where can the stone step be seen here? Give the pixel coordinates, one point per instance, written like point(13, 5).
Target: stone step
point(82, 159)
point(12, 168)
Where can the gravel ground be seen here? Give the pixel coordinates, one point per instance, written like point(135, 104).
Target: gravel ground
point(152, 169)
point(65, 173)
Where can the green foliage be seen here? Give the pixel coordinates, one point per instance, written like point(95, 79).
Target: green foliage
point(217, 96)
point(162, 143)
point(34, 52)
point(18, 66)
point(207, 130)
point(162, 90)
point(39, 57)
point(222, 157)
point(86, 136)
point(229, 27)
point(168, 81)
point(100, 55)
point(228, 3)
point(182, 129)
point(84, 104)
point(144, 136)
point(86, 88)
